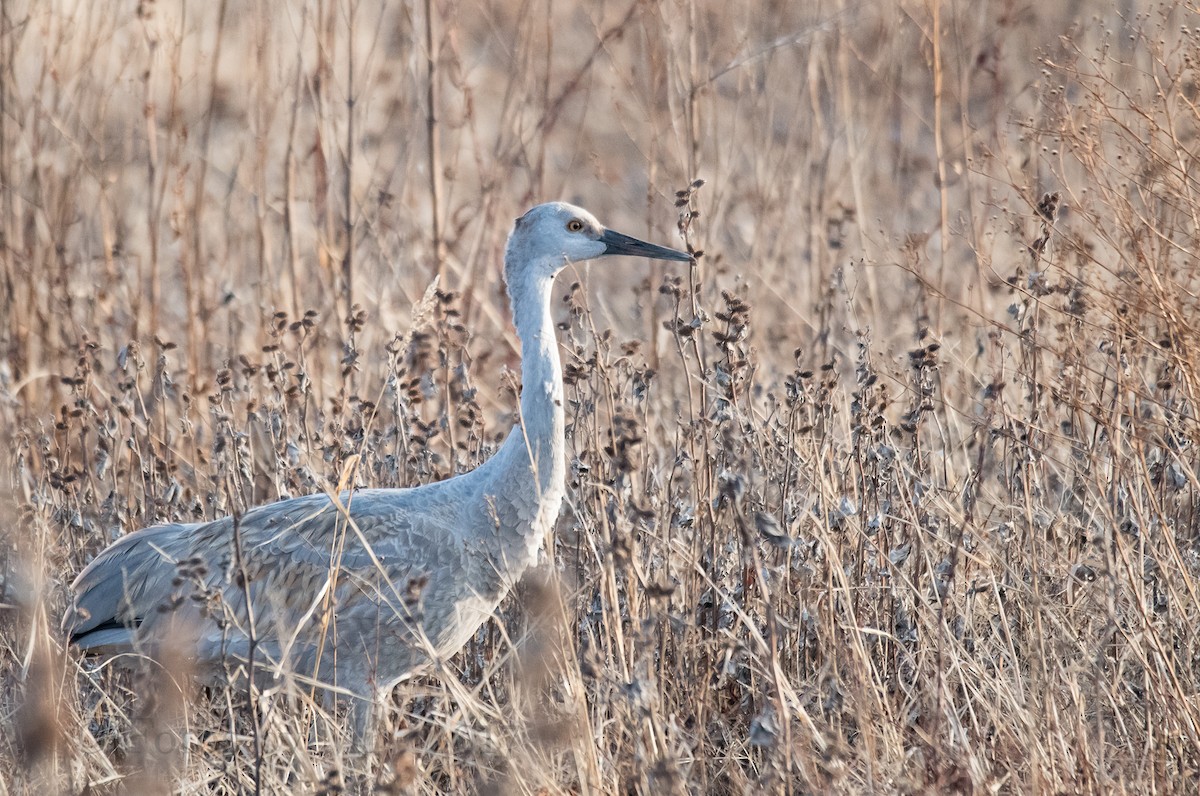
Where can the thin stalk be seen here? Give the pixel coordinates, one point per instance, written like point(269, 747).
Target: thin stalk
point(433, 151)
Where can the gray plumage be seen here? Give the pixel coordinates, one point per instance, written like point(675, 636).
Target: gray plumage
point(361, 592)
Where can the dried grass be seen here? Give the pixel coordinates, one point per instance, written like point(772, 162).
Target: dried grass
point(895, 492)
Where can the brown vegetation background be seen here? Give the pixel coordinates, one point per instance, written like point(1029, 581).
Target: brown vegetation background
point(896, 491)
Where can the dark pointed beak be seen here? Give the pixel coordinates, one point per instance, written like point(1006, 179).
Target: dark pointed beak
point(617, 243)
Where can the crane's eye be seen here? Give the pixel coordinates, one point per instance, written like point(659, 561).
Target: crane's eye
point(574, 225)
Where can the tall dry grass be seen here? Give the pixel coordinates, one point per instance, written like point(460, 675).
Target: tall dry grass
point(896, 491)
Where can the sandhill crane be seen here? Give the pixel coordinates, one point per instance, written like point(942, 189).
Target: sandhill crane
point(360, 590)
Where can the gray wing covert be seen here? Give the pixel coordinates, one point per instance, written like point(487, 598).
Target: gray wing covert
point(312, 576)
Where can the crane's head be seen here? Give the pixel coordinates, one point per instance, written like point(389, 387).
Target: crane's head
point(551, 235)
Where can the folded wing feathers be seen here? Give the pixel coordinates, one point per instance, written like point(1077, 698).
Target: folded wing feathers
point(287, 555)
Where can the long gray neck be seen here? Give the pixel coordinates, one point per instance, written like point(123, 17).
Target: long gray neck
point(526, 477)
point(538, 435)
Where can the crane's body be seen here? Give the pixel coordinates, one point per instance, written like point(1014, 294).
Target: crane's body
point(360, 590)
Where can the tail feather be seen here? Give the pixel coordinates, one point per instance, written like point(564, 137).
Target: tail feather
point(122, 586)
point(106, 640)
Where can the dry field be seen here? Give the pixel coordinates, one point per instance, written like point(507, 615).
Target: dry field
point(896, 491)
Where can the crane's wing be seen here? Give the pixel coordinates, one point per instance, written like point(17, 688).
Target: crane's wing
point(277, 574)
